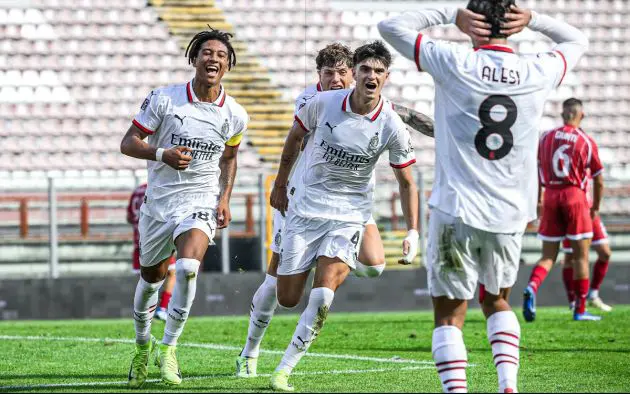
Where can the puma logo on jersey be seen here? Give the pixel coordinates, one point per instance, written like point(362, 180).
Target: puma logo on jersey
point(180, 119)
point(330, 127)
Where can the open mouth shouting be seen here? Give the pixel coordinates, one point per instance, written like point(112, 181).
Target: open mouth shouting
point(212, 70)
point(370, 87)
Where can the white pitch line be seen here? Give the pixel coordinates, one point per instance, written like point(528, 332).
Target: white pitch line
point(218, 347)
point(266, 375)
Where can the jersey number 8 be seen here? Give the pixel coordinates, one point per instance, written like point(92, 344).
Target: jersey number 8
point(495, 139)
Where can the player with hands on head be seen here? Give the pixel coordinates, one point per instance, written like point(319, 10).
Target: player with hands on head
point(488, 104)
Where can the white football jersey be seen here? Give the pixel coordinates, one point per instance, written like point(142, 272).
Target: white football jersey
point(173, 116)
point(342, 152)
point(488, 104)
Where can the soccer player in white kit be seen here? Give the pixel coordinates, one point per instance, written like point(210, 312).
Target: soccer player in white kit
point(332, 198)
point(194, 131)
point(334, 69)
point(488, 103)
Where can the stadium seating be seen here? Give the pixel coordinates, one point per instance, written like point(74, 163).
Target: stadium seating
point(73, 73)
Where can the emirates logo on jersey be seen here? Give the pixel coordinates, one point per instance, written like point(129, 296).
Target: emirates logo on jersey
point(341, 158)
point(202, 150)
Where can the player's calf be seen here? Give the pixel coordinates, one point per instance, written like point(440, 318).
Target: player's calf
point(504, 334)
point(451, 358)
point(307, 330)
point(263, 307)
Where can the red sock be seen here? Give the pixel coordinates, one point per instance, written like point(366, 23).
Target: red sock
point(166, 297)
point(482, 293)
point(581, 290)
point(599, 272)
point(567, 278)
point(537, 277)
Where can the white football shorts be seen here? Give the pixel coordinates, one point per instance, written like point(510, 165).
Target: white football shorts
point(304, 240)
point(157, 238)
point(459, 256)
point(278, 225)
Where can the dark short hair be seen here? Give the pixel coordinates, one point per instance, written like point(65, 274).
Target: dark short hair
point(376, 50)
point(572, 102)
point(332, 55)
point(494, 11)
point(197, 41)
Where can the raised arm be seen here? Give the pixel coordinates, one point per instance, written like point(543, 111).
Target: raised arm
point(571, 42)
point(415, 120)
point(401, 31)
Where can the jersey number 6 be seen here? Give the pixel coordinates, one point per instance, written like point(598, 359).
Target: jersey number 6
point(495, 139)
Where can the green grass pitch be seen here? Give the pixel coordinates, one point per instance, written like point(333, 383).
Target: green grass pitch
point(358, 352)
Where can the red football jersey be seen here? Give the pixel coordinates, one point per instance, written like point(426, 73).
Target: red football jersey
point(133, 210)
point(567, 157)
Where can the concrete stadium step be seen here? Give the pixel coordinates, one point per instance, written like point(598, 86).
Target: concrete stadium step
point(236, 77)
point(182, 3)
point(188, 32)
point(282, 108)
point(266, 141)
point(270, 125)
point(189, 10)
point(204, 19)
point(254, 133)
point(271, 153)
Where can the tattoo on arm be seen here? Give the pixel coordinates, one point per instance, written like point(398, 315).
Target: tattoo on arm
point(414, 119)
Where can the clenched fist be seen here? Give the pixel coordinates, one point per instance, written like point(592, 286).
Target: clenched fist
point(177, 158)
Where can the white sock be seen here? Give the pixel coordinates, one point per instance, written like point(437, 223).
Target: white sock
point(368, 271)
point(181, 300)
point(592, 293)
point(308, 327)
point(144, 303)
point(451, 358)
point(263, 306)
point(504, 334)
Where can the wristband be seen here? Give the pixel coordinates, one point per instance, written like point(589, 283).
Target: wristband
point(158, 154)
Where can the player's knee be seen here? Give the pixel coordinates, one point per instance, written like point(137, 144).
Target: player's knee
point(288, 301)
point(604, 254)
point(370, 271)
point(152, 274)
point(187, 268)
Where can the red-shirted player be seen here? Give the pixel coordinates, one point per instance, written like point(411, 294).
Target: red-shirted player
point(565, 157)
point(133, 211)
point(602, 248)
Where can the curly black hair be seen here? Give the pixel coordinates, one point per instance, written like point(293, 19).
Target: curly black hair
point(494, 11)
point(334, 54)
point(197, 41)
point(375, 49)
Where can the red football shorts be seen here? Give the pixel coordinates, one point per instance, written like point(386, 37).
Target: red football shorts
point(565, 213)
point(600, 236)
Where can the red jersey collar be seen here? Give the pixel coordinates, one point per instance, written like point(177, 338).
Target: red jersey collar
point(345, 106)
point(319, 87)
point(500, 48)
point(192, 98)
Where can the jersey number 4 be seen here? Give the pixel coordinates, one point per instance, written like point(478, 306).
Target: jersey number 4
point(495, 139)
